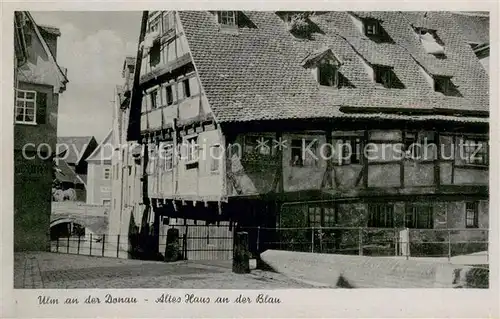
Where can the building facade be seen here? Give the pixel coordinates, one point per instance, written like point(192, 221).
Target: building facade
point(313, 119)
point(39, 80)
point(99, 174)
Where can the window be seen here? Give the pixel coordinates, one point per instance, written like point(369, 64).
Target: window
point(168, 21)
point(385, 75)
point(431, 43)
point(444, 85)
point(215, 158)
point(168, 157)
point(314, 216)
point(328, 74)
point(154, 99)
point(350, 150)
point(170, 96)
point(26, 107)
point(191, 149)
point(411, 147)
point(155, 54)
point(131, 69)
point(372, 28)
point(258, 145)
point(301, 156)
point(380, 215)
point(475, 152)
point(155, 25)
point(419, 216)
point(187, 89)
point(107, 173)
point(227, 18)
point(471, 215)
point(106, 202)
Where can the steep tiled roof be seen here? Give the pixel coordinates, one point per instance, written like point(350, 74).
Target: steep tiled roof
point(75, 146)
point(65, 173)
point(257, 74)
point(475, 29)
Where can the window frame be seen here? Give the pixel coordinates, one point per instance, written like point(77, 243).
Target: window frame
point(169, 97)
point(220, 18)
point(303, 161)
point(415, 211)
point(252, 141)
point(376, 210)
point(106, 173)
point(191, 149)
point(475, 214)
point(334, 78)
point(467, 153)
point(214, 169)
point(153, 96)
point(26, 100)
point(186, 87)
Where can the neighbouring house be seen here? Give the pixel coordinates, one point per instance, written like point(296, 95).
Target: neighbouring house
point(99, 174)
point(475, 28)
point(75, 150)
point(313, 119)
point(67, 184)
point(38, 82)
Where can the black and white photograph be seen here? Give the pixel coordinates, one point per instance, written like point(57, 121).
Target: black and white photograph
point(257, 150)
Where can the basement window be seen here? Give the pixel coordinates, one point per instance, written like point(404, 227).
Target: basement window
point(385, 75)
point(444, 85)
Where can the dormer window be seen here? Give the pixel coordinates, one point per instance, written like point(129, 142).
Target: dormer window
point(431, 42)
point(444, 85)
point(328, 74)
point(385, 75)
point(374, 30)
point(227, 18)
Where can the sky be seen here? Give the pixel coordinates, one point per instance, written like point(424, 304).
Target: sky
point(92, 46)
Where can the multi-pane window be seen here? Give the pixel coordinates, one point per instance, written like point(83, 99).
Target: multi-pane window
point(167, 157)
point(471, 215)
point(314, 216)
point(258, 145)
point(191, 148)
point(385, 75)
point(155, 54)
point(419, 216)
point(154, 99)
point(215, 158)
point(321, 216)
point(26, 106)
point(328, 74)
point(227, 18)
point(350, 150)
point(168, 21)
point(107, 173)
point(304, 153)
point(155, 25)
point(170, 95)
point(380, 215)
point(475, 152)
point(372, 27)
point(187, 89)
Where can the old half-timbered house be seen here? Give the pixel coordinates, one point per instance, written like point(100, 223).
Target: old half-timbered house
point(249, 108)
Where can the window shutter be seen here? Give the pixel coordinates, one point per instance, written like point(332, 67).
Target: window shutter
point(41, 108)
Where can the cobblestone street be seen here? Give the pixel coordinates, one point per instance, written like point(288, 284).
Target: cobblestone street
point(62, 271)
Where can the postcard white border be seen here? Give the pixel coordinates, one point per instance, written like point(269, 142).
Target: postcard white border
point(295, 303)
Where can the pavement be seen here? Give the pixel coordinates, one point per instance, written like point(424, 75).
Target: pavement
point(35, 270)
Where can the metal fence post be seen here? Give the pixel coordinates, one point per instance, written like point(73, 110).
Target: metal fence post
point(396, 242)
point(312, 239)
point(360, 241)
point(78, 247)
point(258, 239)
point(57, 244)
point(449, 244)
point(90, 250)
point(408, 243)
point(118, 246)
point(103, 244)
point(67, 246)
